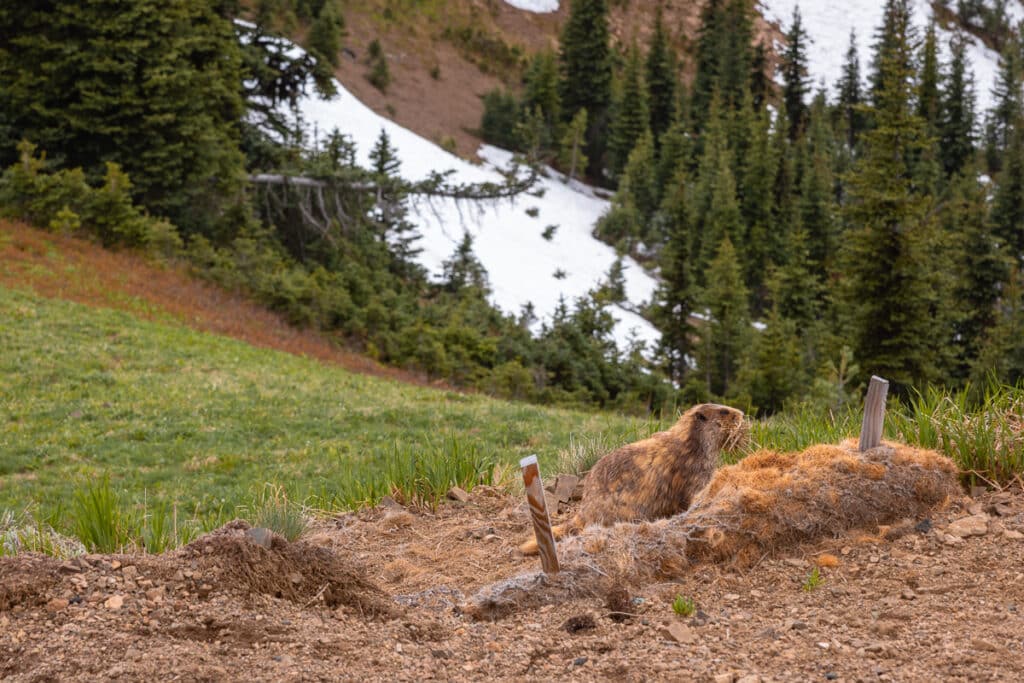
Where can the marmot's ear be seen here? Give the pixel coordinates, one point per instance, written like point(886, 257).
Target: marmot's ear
point(702, 417)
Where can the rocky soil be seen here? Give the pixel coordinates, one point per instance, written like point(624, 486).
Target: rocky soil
point(375, 595)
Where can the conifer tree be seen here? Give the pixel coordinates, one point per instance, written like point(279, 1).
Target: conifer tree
point(391, 214)
point(892, 299)
point(1008, 204)
point(888, 50)
point(723, 58)
point(92, 82)
point(793, 69)
point(586, 73)
point(540, 91)
point(757, 202)
point(726, 333)
point(1009, 105)
point(673, 155)
point(707, 57)
point(761, 86)
point(1002, 355)
point(772, 370)
point(929, 85)
point(325, 34)
point(796, 289)
point(676, 292)
point(464, 270)
point(630, 118)
point(638, 179)
point(815, 201)
point(572, 157)
point(850, 97)
point(661, 80)
point(982, 266)
point(956, 132)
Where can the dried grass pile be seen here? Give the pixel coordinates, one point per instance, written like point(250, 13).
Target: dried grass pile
point(767, 502)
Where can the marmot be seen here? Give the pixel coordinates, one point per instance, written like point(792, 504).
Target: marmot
point(658, 476)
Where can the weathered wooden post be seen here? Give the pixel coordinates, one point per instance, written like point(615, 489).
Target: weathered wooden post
point(539, 514)
point(874, 413)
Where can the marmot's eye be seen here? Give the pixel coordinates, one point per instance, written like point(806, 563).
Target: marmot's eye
point(702, 417)
point(724, 411)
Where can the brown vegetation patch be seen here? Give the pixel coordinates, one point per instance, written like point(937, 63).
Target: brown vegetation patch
point(767, 503)
point(61, 267)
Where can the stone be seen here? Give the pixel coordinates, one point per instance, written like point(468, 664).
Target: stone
point(389, 503)
point(975, 525)
point(731, 597)
point(459, 494)
point(725, 678)
point(796, 562)
point(908, 594)
point(749, 678)
point(565, 484)
point(204, 590)
point(552, 503)
point(260, 536)
point(115, 564)
point(70, 567)
point(114, 602)
point(56, 605)
point(155, 594)
point(681, 633)
point(1012, 534)
point(130, 572)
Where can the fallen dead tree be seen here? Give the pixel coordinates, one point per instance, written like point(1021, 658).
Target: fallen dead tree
point(766, 503)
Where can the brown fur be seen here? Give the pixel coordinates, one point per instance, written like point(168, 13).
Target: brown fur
point(656, 477)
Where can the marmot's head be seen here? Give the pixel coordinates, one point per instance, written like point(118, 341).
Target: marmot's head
point(719, 427)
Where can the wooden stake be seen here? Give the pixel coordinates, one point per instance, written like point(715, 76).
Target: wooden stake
point(874, 413)
point(539, 514)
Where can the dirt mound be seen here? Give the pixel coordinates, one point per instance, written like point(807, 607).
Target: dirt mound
point(766, 503)
point(26, 578)
point(232, 559)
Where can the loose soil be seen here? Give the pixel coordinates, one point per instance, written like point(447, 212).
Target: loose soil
point(375, 595)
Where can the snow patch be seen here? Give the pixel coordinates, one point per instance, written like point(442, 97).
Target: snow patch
point(507, 235)
point(828, 24)
point(535, 6)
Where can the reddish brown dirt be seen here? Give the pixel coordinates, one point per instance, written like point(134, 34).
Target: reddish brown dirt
point(451, 105)
point(912, 608)
point(61, 267)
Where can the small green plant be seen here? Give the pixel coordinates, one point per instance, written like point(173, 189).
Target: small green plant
point(560, 274)
point(274, 511)
point(435, 72)
point(549, 232)
point(448, 144)
point(684, 606)
point(533, 212)
point(813, 580)
point(379, 75)
point(99, 520)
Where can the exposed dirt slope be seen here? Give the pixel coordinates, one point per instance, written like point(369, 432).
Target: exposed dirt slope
point(450, 105)
point(923, 606)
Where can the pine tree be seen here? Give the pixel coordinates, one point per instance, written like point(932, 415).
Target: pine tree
point(630, 118)
point(325, 34)
point(638, 179)
point(391, 211)
point(661, 80)
point(982, 266)
point(929, 84)
point(761, 86)
point(956, 133)
point(571, 157)
point(793, 69)
point(815, 201)
point(124, 82)
point(675, 299)
point(707, 76)
point(772, 370)
point(723, 58)
point(726, 333)
point(850, 97)
point(541, 89)
point(586, 73)
point(723, 220)
point(464, 270)
point(673, 156)
point(889, 53)
point(893, 303)
point(757, 201)
point(1009, 105)
point(1002, 354)
point(1008, 204)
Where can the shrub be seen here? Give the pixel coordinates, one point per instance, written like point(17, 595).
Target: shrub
point(500, 119)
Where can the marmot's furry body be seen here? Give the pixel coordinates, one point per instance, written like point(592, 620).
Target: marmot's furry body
point(656, 477)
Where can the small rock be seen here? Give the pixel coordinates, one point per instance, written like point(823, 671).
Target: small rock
point(579, 661)
point(551, 502)
point(749, 678)
point(951, 540)
point(130, 572)
point(924, 526)
point(731, 597)
point(155, 594)
point(204, 590)
point(458, 493)
point(295, 578)
point(975, 525)
point(823, 645)
point(389, 503)
point(976, 508)
point(580, 623)
point(565, 484)
point(725, 678)
point(114, 602)
point(754, 593)
point(681, 633)
point(260, 536)
point(70, 567)
point(115, 564)
point(795, 562)
point(1012, 535)
point(978, 491)
point(908, 594)
point(980, 644)
point(56, 605)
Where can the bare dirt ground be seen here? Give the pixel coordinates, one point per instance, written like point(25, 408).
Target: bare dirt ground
point(374, 596)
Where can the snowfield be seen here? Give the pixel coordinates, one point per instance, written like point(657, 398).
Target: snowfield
point(521, 264)
point(536, 6)
point(828, 24)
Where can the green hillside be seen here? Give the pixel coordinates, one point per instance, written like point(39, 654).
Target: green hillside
point(205, 422)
